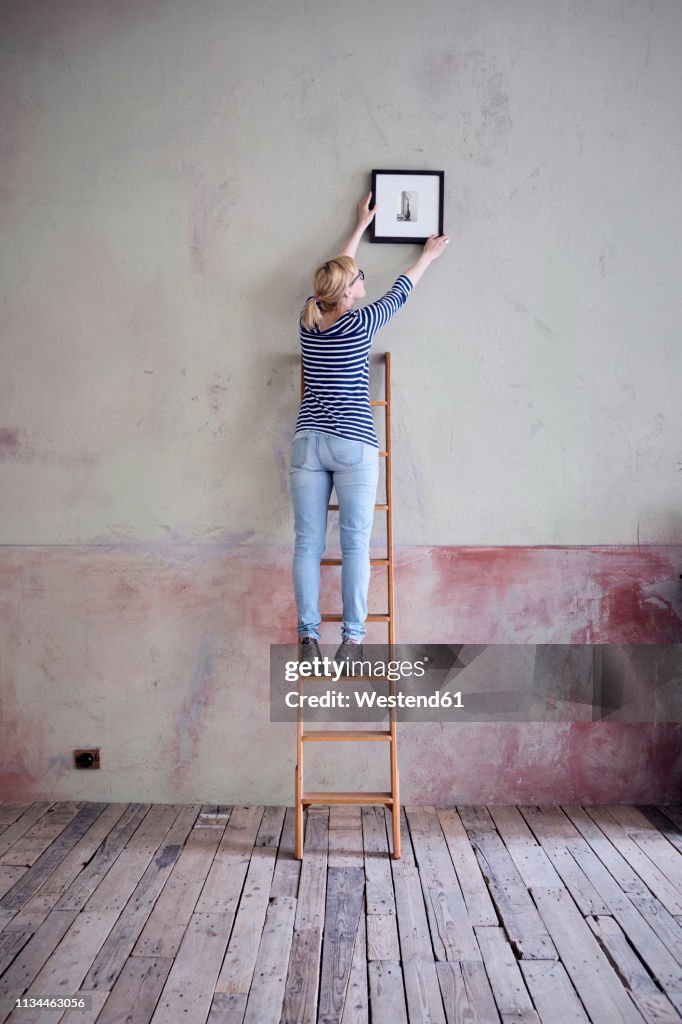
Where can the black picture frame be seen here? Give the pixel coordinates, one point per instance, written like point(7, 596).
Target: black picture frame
point(410, 206)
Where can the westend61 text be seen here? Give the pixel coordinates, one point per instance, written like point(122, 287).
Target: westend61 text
point(345, 699)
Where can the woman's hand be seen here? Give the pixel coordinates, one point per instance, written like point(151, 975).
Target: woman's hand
point(435, 246)
point(365, 218)
point(365, 215)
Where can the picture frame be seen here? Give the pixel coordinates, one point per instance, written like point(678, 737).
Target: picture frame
point(409, 206)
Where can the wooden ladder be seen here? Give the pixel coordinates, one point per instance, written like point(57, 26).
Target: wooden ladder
point(391, 798)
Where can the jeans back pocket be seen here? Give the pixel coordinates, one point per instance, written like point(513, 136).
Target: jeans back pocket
point(345, 452)
point(302, 451)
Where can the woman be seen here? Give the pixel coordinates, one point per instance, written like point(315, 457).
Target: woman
point(335, 443)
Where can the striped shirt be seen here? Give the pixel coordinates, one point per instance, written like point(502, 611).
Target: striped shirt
point(336, 369)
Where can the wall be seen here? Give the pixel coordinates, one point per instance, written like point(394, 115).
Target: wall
point(170, 177)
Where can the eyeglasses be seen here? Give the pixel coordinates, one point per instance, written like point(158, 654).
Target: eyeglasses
point(360, 276)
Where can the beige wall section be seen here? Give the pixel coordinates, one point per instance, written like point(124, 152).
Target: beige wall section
point(173, 171)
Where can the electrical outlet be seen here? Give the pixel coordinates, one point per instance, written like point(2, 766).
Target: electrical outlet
point(87, 757)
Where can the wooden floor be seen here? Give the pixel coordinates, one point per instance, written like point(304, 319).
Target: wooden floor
point(175, 913)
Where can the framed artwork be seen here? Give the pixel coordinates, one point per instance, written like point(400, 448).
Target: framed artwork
point(410, 205)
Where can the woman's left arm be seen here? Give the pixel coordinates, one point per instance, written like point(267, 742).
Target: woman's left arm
point(365, 218)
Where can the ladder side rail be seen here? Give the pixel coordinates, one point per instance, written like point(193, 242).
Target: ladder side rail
point(395, 778)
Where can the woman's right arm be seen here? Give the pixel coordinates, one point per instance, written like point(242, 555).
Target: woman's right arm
point(380, 312)
point(434, 247)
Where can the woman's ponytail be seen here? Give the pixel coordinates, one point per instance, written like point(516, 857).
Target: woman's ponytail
point(330, 282)
point(311, 315)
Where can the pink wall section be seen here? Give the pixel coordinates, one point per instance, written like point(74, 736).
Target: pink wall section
point(159, 655)
point(542, 595)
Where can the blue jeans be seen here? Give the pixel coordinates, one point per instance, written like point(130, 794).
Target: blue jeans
point(318, 462)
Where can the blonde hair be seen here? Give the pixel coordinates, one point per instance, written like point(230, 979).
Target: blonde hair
point(330, 282)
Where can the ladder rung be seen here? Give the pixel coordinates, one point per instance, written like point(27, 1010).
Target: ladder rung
point(323, 735)
point(347, 798)
point(339, 561)
point(381, 508)
point(370, 618)
point(379, 402)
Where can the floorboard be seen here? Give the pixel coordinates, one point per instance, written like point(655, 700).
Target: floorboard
point(170, 913)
